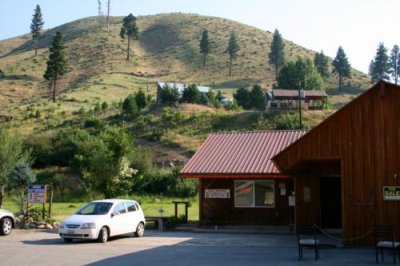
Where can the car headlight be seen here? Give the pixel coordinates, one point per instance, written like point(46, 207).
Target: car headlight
point(62, 225)
point(88, 226)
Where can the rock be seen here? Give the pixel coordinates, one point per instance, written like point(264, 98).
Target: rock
point(55, 225)
point(48, 226)
point(33, 226)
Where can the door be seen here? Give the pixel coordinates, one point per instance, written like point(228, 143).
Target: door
point(118, 224)
point(331, 202)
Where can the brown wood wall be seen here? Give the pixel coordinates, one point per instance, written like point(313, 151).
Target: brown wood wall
point(365, 137)
point(223, 211)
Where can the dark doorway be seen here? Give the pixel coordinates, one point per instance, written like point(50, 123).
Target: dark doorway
point(331, 203)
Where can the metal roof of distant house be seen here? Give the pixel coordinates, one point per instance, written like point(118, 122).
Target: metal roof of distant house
point(239, 153)
point(294, 94)
point(181, 86)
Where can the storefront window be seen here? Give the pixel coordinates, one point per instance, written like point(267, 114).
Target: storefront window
point(254, 193)
point(244, 193)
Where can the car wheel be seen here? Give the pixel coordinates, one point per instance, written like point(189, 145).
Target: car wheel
point(6, 226)
point(68, 240)
point(139, 230)
point(103, 235)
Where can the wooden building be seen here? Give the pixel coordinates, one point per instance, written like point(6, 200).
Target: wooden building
point(239, 184)
point(289, 99)
point(347, 169)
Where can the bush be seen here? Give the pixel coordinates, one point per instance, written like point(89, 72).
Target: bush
point(93, 122)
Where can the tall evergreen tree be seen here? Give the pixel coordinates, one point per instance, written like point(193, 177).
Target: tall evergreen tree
point(204, 46)
point(321, 62)
point(379, 68)
point(341, 66)
point(130, 30)
point(395, 63)
point(277, 56)
point(36, 27)
point(57, 63)
point(232, 50)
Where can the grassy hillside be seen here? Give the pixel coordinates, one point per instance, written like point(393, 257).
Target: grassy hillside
point(168, 50)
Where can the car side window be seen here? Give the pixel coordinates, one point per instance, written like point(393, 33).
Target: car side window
point(130, 206)
point(120, 208)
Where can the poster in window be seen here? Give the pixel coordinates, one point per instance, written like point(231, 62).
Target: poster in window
point(243, 193)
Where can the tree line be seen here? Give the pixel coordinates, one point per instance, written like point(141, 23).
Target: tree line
point(384, 66)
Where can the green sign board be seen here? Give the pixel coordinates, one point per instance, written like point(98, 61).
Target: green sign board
point(391, 193)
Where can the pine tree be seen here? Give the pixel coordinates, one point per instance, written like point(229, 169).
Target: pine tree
point(341, 66)
point(321, 63)
point(36, 27)
point(379, 68)
point(204, 46)
point(232, 50)
point(277, 55)
point(394, 63)
point(258, 98)
point(57, 63)
point(129, 29)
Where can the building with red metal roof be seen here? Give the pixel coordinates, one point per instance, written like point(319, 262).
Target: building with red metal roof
point(238, 182)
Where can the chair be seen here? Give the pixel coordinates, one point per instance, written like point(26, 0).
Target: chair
point(307, 237)
point(384, 240)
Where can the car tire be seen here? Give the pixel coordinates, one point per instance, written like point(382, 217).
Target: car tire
point(139, 230)
point(68, 240)
point(103, 235)
point(6, 226)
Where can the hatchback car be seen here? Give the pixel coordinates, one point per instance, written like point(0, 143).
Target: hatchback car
point(7, 222)
point(102, 219)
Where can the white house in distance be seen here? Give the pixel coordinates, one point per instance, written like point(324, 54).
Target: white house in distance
point(179, 86)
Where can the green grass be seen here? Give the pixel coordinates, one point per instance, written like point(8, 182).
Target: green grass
point(150, 205)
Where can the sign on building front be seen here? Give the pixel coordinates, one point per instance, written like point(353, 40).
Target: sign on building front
point(391, 193)
point(217, 193)
point(37, 193)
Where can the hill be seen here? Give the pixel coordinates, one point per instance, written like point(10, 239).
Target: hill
point(168, 50)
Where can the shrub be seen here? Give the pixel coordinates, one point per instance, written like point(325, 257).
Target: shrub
point(93, 122)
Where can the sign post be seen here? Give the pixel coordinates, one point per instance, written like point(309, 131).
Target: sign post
point(37, 194)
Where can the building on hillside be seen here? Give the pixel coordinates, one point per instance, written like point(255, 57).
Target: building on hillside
point(238, 182)
point(180, 86)
point(346, 170)
point(288, 99)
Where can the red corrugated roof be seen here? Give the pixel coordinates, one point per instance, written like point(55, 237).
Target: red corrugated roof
point(240, 153)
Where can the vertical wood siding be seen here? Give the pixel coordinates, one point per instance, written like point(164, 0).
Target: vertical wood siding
point(365, 137)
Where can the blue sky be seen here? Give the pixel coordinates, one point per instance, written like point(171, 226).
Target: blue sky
point(357, 25)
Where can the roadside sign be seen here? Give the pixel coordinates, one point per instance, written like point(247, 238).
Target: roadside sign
point(37, 193)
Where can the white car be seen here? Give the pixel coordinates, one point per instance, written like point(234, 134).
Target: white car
point(7, 222)
point(102, 219)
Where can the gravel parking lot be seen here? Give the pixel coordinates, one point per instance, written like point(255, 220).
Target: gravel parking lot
point(172, 248)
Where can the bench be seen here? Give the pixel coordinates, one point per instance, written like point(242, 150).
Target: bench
point(159, 221)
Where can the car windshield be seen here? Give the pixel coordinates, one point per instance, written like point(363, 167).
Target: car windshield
point(95, 208)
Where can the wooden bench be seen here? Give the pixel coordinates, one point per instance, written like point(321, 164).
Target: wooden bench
point(159, 221)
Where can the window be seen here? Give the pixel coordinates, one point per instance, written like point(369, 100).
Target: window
point(255, 193)
point(130, 206)
point(120, 208)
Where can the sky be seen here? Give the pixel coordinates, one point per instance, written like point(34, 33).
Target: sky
point(356, 25)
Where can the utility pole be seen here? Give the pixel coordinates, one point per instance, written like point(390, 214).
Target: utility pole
point(301, 96)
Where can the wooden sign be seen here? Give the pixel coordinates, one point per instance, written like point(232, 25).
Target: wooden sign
point(217, 193)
